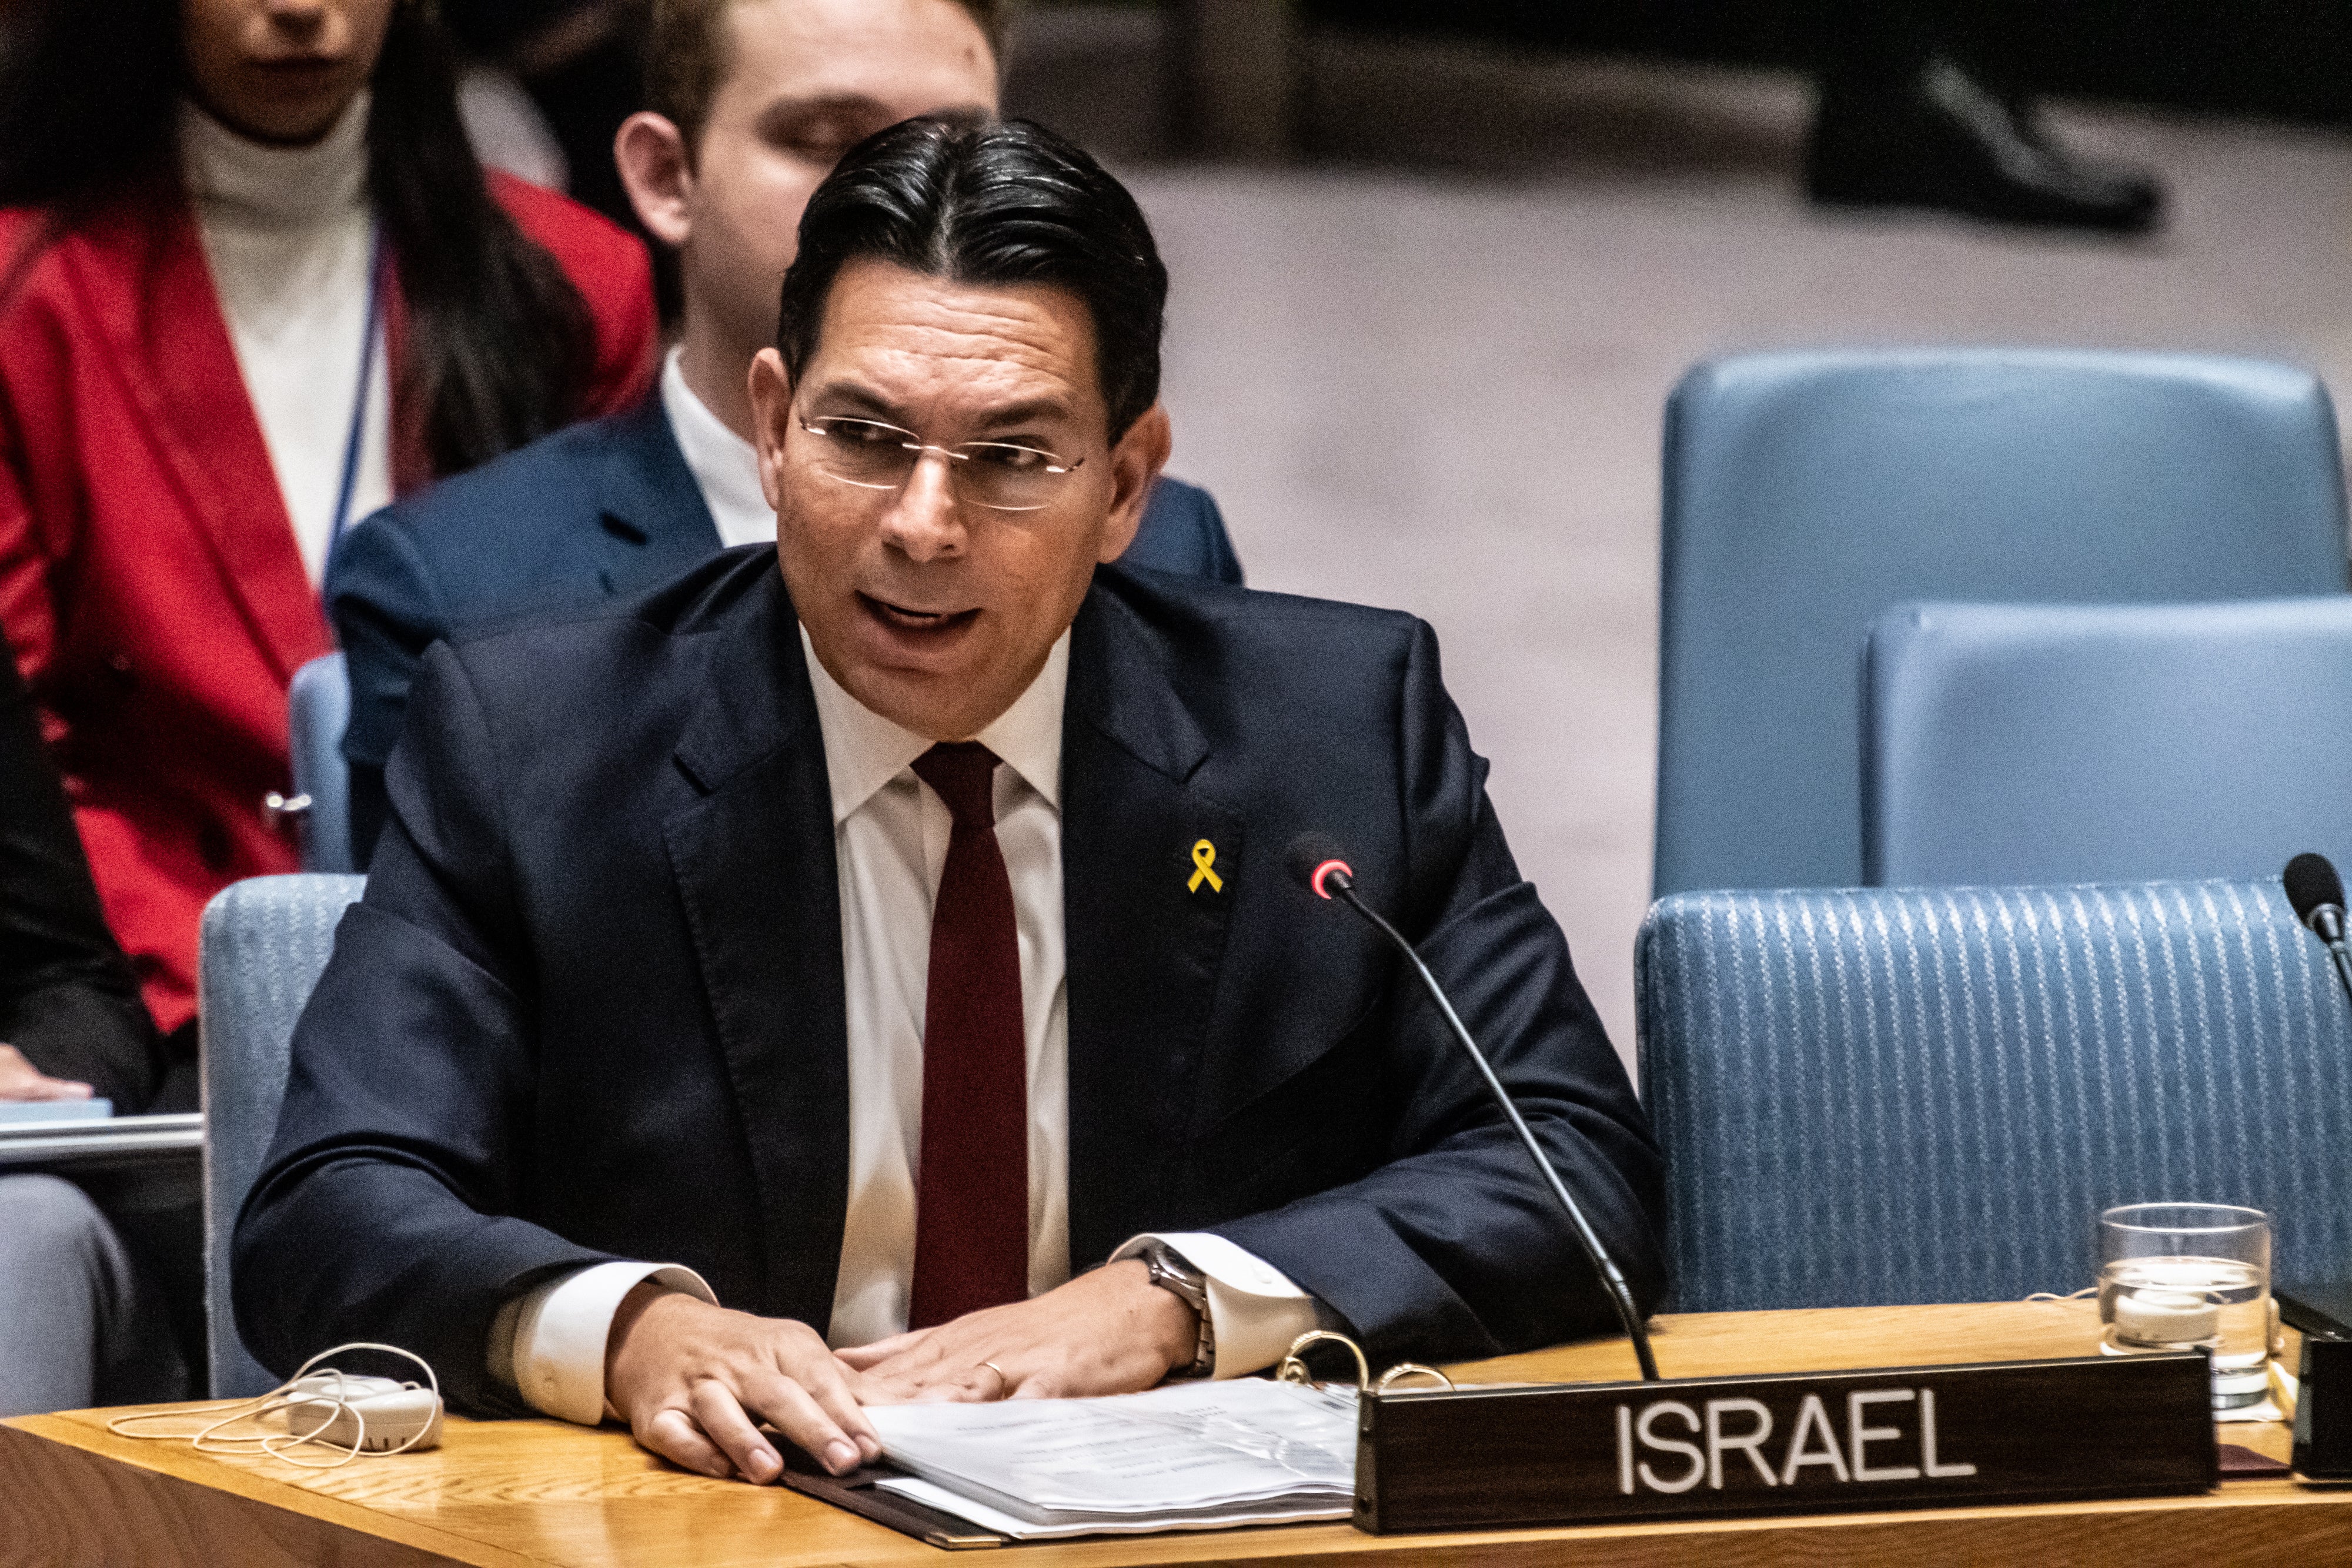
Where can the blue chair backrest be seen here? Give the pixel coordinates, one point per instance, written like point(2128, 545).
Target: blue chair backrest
point(318, 711)
point(262, 945)
point(1806, 493)
point(2042, 743)
point(1899, 1095)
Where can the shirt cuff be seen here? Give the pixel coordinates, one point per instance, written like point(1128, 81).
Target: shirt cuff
point(548, 1344)
point(1254, 1309)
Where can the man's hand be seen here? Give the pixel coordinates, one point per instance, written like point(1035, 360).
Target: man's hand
point(694, 1380)
point(1109, 1331)
point(20, 1080)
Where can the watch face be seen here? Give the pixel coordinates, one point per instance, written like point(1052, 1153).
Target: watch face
point(1188, 1285)
point(1172, 1272)
point(1172, 1264)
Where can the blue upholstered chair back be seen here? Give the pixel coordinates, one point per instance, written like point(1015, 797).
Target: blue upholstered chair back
point(2045, 742)
point(1927, 1094)
point(263, 945)
point(318, 711)
point(1805, 493)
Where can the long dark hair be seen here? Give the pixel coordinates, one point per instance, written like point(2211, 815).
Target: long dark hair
point(499, 344)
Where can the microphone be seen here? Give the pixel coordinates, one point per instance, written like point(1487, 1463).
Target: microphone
point(2317, 894)
point(1319, 863)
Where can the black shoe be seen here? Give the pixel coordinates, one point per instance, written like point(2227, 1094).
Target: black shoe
point(1940, 138)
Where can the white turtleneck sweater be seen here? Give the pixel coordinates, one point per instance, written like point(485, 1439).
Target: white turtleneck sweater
point(288, 234)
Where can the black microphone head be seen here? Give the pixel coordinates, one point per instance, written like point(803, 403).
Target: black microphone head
point(1311, 857)
point(2311, 881)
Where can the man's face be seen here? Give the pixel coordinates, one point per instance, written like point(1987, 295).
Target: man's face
point(933, 611)
point(802, 82)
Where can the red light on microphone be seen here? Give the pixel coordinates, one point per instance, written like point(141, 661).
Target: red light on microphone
point(1313, 860)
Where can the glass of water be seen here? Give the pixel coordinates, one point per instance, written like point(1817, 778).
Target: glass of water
point(2184, 1276)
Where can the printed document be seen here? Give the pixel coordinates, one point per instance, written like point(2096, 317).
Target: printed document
point(1191, 1456)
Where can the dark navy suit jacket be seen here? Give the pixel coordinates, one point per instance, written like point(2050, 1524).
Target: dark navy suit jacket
point(601, 509)
point(591, 1005)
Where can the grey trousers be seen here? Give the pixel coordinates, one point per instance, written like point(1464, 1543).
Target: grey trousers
point(80, 1324)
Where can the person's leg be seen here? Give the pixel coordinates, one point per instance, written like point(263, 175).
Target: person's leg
point(1906, 117)
point(159, 1217)
point(164, 1236)
point(74, 1316)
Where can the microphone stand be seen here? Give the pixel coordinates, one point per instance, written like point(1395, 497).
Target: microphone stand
point(1620, 1294)
point(2327, 923)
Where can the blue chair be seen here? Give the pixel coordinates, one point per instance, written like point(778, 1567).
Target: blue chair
point(318, 711)
point(1876, 1096)
point(1806, 493)
point(2042, 743)
point(261, 947)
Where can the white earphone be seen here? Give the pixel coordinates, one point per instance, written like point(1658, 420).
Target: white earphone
point(331, 1408)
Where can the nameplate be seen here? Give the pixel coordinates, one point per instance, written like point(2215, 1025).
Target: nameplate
point(2322, 1416)
point(1828, 1442)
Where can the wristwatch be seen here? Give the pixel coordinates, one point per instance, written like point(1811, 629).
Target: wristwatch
point(1169, 1270)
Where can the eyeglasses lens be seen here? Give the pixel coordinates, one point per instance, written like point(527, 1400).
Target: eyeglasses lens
point(862, 451)
point(996, 475)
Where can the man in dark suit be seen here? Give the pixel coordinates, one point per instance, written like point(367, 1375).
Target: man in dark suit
point(751, 105)
point(876, 979)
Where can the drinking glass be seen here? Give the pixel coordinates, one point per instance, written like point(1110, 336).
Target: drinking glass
point(2183, 1276)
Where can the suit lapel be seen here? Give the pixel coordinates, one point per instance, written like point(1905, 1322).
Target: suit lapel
point(656, 523)
point(1145, 942)
point(141, 273)
point(753, 860)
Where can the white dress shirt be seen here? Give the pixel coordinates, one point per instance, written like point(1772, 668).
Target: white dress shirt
point(725, 466)
point(890, 844)
point(288, 237)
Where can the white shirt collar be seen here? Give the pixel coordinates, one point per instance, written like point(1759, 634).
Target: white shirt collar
point(255, 183)
point(863, 751)
point(725, 466)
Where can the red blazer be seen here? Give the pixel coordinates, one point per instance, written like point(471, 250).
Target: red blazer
point(149, 577)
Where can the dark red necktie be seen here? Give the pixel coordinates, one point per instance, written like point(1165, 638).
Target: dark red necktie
point(972, 1197)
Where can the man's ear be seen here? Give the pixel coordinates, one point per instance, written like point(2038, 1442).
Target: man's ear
point(650, 152)
point(771, 416)
point(1135, 465)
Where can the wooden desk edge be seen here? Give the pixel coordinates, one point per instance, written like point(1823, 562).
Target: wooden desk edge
point(2277, 1513)
point(357, 1533)
point(114, 1464)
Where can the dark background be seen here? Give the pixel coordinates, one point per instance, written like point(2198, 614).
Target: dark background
point(2287, 59)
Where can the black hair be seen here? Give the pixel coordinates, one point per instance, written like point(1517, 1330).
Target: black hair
point(988, 203)
point(500, 346)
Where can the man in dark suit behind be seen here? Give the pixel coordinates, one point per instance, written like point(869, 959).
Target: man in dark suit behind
point(751, 105)
point(877, 978)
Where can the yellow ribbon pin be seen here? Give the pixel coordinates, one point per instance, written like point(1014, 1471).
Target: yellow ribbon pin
point(1204, 855)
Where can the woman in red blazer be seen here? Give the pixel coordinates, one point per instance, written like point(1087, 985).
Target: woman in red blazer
point(182, 438)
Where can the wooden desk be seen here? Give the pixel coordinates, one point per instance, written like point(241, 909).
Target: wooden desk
point(539, 1492)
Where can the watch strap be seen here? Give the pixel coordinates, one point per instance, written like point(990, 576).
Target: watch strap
point(1167, 1270)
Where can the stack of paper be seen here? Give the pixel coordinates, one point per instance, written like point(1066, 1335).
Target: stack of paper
point(1193, 1456)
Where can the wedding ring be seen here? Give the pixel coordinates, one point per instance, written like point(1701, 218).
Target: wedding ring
point(1004, 1383)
